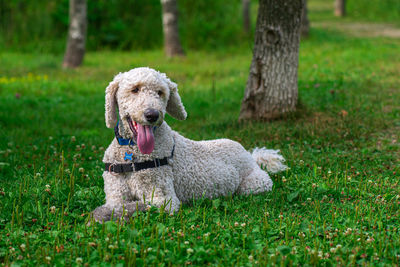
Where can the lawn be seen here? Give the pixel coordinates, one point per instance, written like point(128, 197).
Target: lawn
point(339, 203)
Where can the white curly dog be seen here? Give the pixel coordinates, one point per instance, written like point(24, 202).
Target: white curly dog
point(150, 164)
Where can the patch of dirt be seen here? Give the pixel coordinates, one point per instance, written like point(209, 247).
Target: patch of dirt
point(320, 118)
point(389, 137)
point(359, 29)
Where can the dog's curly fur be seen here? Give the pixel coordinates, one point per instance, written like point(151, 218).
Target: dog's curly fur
point(198, 168)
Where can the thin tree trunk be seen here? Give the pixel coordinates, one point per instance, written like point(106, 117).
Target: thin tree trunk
point(340, 8)
point(272, 84)
point(172, 45)
point(305, 23)
point(246, 15)
point(76, 34)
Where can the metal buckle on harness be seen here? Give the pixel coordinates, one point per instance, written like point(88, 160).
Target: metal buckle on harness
point(157, 162)
point(111, 172)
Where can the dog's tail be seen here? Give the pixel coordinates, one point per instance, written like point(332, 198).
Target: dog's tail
point(269, 159)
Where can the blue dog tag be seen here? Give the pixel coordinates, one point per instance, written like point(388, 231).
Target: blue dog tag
point(128, 156)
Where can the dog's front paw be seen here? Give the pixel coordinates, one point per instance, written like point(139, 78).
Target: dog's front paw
point(102, 214)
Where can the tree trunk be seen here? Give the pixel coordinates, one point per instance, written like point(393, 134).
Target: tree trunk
point(340, 8)
point(246, 15)
point(272, 84)
point(305, 23)
point(76, 34)
point(172, 45)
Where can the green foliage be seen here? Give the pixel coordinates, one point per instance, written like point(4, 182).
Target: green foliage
point(375, 10)
point(210, 23)
point(42, 25)
point(119, 24)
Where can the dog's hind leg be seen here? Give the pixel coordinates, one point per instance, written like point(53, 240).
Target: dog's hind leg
point(256, 182)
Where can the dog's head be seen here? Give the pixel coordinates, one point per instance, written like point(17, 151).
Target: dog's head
point(142, 97)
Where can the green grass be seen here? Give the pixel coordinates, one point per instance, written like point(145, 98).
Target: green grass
point(339, 203)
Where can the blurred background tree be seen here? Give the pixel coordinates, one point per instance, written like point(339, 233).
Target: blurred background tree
point(305, 23)
point(246, 15)
point(172, 44)
point(340, 8)
point(76, 34)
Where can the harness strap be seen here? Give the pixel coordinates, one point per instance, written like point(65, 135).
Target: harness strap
point(138, 166)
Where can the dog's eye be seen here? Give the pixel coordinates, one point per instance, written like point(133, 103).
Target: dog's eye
point(160, 93)
point(135, 90)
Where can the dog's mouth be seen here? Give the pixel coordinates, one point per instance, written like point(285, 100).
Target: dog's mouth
point(144, 136)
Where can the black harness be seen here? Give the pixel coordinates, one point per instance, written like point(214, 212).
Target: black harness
point(138, 166)
point(134, 166)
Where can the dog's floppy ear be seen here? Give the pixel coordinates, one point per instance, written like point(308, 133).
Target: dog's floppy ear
point(111, 102)
point(175, 107)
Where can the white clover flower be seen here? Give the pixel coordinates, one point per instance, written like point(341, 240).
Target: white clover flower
point(79, 260)
point(189, 251)
point(301, 234)
point(52, 209)
point(370, 240)
point(320, 254)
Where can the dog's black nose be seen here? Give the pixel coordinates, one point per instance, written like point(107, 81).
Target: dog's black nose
point(151, 115)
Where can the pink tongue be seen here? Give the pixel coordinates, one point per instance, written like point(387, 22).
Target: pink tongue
point(145, 138)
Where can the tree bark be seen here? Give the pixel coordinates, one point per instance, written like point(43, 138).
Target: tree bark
point(76, 34)
point(340, 8)
point(271, 89)
point(305, 23)
point(172, 44)
point(246, 15)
